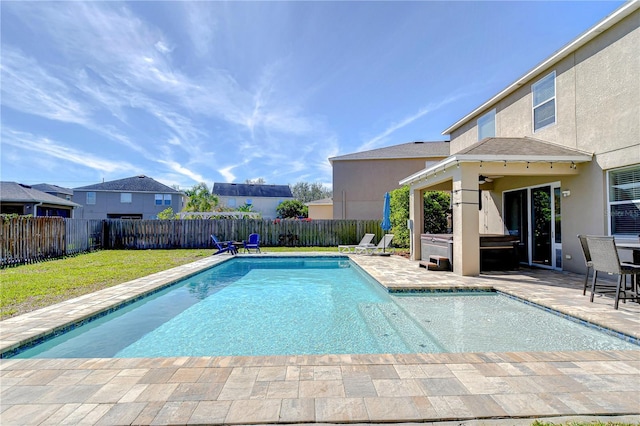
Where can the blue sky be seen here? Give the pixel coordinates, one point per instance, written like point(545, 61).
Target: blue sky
point(189, 92)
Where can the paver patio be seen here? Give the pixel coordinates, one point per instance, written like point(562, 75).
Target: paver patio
point(516, 386)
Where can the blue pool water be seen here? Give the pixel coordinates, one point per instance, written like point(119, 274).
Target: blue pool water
point(278, 306)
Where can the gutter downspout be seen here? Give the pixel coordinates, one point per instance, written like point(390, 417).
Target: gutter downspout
point(35, 209)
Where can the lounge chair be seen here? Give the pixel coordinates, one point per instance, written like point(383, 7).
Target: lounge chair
point(253, 243)
point(223, 246)
point(384, 246)
point(364, 242)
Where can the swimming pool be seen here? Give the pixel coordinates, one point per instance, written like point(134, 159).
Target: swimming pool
point(277, 306)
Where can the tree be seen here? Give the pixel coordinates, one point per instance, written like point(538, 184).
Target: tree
point(292, 209)
point(305, 191)
point(200, 199)
point(167, 214)
point(436, 209)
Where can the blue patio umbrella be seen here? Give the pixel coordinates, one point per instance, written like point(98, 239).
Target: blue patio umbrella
point(386, 215)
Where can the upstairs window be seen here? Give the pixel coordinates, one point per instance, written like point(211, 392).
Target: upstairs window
point(125, 197)
point(544, 102)
point(163, 199)
point(624, 201)
point(487, 125)
point(91, 197)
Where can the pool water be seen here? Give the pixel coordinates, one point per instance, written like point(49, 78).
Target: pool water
point(282, 306)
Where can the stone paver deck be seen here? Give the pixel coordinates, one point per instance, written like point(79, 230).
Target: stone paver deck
point(329, 388)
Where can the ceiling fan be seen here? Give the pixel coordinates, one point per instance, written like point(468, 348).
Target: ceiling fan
point(484, 179)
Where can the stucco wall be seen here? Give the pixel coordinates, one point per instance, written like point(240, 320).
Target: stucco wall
point(266, 206)
point(361, 184)
point(320, 211)
point(597, 110)
point(597, 92)
point(109, 203)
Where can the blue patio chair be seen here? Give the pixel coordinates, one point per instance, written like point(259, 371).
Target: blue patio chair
point(223, 246)
point(253, 243)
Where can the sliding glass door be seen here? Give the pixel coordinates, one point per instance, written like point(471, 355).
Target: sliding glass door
point(534, 214)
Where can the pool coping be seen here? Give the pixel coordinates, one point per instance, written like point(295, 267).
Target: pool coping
point(324, 383)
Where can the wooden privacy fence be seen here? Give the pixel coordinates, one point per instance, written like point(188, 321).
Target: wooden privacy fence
point(158, 234)
point(28, 239)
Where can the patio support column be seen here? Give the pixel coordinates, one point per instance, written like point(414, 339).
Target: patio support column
point(416, 215)
point(466, 234)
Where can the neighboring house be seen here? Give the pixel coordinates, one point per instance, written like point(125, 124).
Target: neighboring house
point(263, 199)
point(361, 179)
point(554, 155)
point(56, 190)
point(16, 198)
point(138, 197)
point(320, 209)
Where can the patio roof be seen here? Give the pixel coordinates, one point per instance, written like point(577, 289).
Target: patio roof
point(507, 150)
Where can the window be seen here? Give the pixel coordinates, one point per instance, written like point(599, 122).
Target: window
point(125, 197)
point(91, 197)
point(487, 125)
point(163, 199)
point(624, 201)
point(544, 102)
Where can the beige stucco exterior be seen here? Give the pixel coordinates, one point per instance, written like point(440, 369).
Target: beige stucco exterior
point(320, 211)
point(266, 206)
point(597, 112)
point(359, 185)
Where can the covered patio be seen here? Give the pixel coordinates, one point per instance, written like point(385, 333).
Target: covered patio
point(477, 177)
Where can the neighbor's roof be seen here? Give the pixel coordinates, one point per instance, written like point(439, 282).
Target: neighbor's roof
point(18, 193)
point(139, 183)
point(321, 202)
point(618, 15)
point(251, 190)
point(46, 187)
point(405, 150)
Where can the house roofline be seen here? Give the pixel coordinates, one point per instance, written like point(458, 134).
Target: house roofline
point(612, 19)
point(457, 159)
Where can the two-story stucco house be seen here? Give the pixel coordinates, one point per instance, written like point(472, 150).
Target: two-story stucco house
point(553, 155)
point(263, 199)
point(137, 197)
point(361, 179)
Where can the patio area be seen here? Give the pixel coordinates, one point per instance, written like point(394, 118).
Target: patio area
point(331, 388)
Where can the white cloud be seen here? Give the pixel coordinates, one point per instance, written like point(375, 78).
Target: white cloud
point(201, 25)
point(378, 140)
point(226, 173)
point(178, 168)
point(41, 145)
point(162, 47)
point(27, 87)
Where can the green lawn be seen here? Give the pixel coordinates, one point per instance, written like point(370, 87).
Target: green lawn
point(28, 287)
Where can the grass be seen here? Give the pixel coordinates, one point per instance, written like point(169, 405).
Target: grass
point(26, 288)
